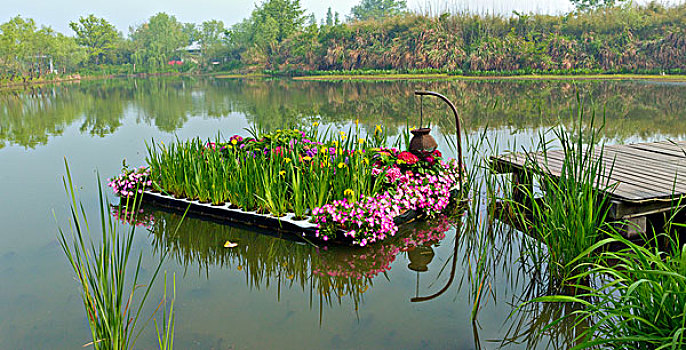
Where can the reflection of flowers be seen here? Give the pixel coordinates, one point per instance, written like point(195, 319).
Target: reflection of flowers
point(376, 259)
point(139, 217)
point(429, 236)
point(364, 264)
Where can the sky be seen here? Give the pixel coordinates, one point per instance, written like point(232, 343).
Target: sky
point(125, 13)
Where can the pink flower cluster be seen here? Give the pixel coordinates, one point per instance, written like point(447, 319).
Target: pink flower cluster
point(370, 219)
point(130, 181)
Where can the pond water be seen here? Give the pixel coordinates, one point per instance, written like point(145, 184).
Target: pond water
point(271, 291)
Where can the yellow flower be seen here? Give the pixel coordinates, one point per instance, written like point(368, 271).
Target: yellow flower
point(348, 192)
point(287, 160)
point(234, 141)
point(357, 122)
point(361, 141)
point(342, 134)
point(378, 129)
point(366, 161)
point(341, 165)
point(324, 150)
point(307, 158)
point(315, 124)
point(230, 147)
point(282, 172)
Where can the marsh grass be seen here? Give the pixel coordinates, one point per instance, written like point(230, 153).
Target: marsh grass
point(641, 301)
point(104, 271)
point(570, 220)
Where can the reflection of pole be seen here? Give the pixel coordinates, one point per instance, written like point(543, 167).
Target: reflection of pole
point(452, 273)
point(457, 126)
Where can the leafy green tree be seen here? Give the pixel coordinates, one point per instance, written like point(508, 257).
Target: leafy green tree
point(276, 20)
point(368, 9)
point(584, 5)
point(27, 52)
point(192, 31)
point(211, 38)
point(98, 36)
point(158, 41)
point(329, 17)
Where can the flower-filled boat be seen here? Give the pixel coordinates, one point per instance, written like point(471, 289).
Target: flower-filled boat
point(340, 187)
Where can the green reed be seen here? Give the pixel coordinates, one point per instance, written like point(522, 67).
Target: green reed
point(571, 217)
point(272, 174)
point(102, 271)
point(641, 301)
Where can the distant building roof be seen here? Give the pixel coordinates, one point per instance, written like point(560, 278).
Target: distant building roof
point(193, 47)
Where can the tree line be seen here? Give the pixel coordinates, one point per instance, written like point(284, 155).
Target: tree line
point(28, 52)
point(281, 37)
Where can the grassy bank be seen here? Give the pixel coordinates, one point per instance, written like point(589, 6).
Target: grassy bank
point(672, 78)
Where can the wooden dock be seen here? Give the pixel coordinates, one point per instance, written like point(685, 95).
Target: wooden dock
point(645, 178)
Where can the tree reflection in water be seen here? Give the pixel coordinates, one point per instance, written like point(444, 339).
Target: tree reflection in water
point(328, 274)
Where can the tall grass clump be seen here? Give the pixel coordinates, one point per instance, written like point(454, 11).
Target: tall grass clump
point(102, 266)
point(570, 218)
point(642, 301)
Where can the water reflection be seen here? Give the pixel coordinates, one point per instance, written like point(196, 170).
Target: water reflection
point(29, 117)
point(328, 274)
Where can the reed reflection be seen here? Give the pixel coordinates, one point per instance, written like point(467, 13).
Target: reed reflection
point(327, 274)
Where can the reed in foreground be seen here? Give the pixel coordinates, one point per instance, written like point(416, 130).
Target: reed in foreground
point(642, 302)
point(102, 271)
point(571, 218)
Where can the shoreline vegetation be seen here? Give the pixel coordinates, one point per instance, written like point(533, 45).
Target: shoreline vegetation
point(610, 40)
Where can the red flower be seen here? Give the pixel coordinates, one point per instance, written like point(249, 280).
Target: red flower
point(431, 160)
point(437, 153)
point(408, 157)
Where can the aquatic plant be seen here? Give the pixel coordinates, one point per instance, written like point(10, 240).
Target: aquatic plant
point(308, 173)
point(641, 300)
point(571, 217)
point(107, 288)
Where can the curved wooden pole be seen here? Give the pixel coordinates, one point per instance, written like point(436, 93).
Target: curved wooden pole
point(457, 126)
point(461, 167)
point(447, 285)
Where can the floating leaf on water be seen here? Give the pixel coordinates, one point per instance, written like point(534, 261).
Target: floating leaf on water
point(230, 244)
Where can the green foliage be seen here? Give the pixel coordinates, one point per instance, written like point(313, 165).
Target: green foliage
point(375, 9)
point(98, 36)
point(211, 37)
point(158, 41)
point(107, 290)
point(570, 219)
point(593, 4)
point(27, 52)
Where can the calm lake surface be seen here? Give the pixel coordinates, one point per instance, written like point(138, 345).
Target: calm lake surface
point(273, 292)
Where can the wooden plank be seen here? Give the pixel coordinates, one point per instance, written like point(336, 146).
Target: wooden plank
point(644, 174)
point(645, 171)
point(633, 171)
point(628, 188)
point(662, 148)
point(661, 163)
point(624, 189)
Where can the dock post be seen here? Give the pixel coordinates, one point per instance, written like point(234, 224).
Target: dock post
point(521, 183)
